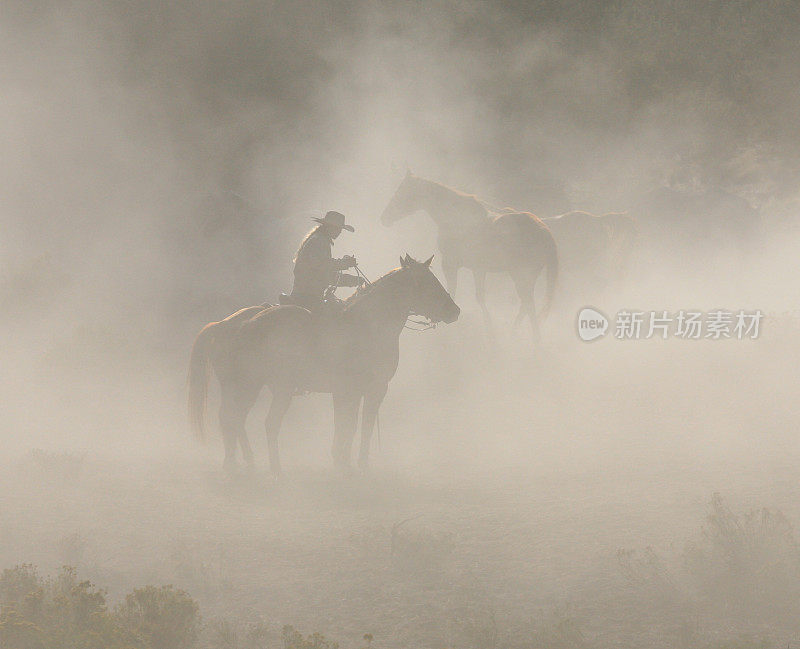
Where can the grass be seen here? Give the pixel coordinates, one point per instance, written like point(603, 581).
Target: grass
point(494, 568)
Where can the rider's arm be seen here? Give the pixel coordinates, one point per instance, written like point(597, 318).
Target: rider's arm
point(349, 280)
point(343, 264)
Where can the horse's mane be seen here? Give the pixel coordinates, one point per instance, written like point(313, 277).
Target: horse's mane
point(558, 217)
point(457, 192)
point(594, 216)
point(366, 289)
point(491, 209)
point(447, 187)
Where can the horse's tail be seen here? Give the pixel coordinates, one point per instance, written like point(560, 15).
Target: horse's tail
point(551, 265)
point(197, 380)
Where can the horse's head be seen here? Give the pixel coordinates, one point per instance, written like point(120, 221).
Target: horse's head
point(404, 202)
point(427, 297)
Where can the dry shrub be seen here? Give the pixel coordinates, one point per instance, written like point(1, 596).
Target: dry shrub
point(224, 634)
point(747, 564)
point(293, 639)
point(164, 616)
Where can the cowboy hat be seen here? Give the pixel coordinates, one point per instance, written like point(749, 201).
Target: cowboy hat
point(336, 220)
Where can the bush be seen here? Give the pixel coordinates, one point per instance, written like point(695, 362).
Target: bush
point(59, 613)
point(65, 613)
point(292, 639)
point(163, 617)
point(748, 563)
point(224, 635)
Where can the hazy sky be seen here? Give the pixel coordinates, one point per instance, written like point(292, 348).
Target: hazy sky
point(161, 161)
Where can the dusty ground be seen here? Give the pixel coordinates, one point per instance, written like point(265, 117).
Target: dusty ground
point(548, 502)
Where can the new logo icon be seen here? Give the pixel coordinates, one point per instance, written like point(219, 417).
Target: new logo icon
point(591, 324)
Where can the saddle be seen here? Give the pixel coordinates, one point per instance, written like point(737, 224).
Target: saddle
point(329, 303)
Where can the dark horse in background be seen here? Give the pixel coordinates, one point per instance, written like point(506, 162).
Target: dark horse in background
point(472, 236)
point(352, 355)
point(698, 221)
point(595, 251)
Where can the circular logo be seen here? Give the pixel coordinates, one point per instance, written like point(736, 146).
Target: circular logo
point(592, 324)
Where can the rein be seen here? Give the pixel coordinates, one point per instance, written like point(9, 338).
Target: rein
point(424, 324)
point(360, 273)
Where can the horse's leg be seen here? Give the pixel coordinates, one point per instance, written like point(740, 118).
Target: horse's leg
point(345, 416)
point(369, 413)
point(247, 451)
point(247, 398)
point(525, 282)
point(480, 296)
point(522, 293)
point(526, 305)
point(281, 398)
point(518, 319)
point(534, 320)
point(233, 411)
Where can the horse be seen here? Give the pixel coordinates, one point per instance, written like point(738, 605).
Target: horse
point(701, 221)
point(352, 354)
point(594, 247)
point(473, 236)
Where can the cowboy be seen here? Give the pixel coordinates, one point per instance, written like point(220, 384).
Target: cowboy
point(315, 269)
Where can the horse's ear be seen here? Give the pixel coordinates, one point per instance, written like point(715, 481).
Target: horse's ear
point(427, 263)
point(403, 263)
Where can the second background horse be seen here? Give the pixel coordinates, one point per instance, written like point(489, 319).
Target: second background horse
point(471, 236)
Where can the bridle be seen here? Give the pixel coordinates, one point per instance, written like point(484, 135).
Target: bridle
point(423, 324)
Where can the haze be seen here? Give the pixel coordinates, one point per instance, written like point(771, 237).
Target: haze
point(161, 164)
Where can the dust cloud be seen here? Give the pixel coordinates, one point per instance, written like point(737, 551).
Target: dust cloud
point(161, 163)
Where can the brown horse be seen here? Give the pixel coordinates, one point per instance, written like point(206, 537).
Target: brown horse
point(471, 236)
point(352, 355)
point(591, 246)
